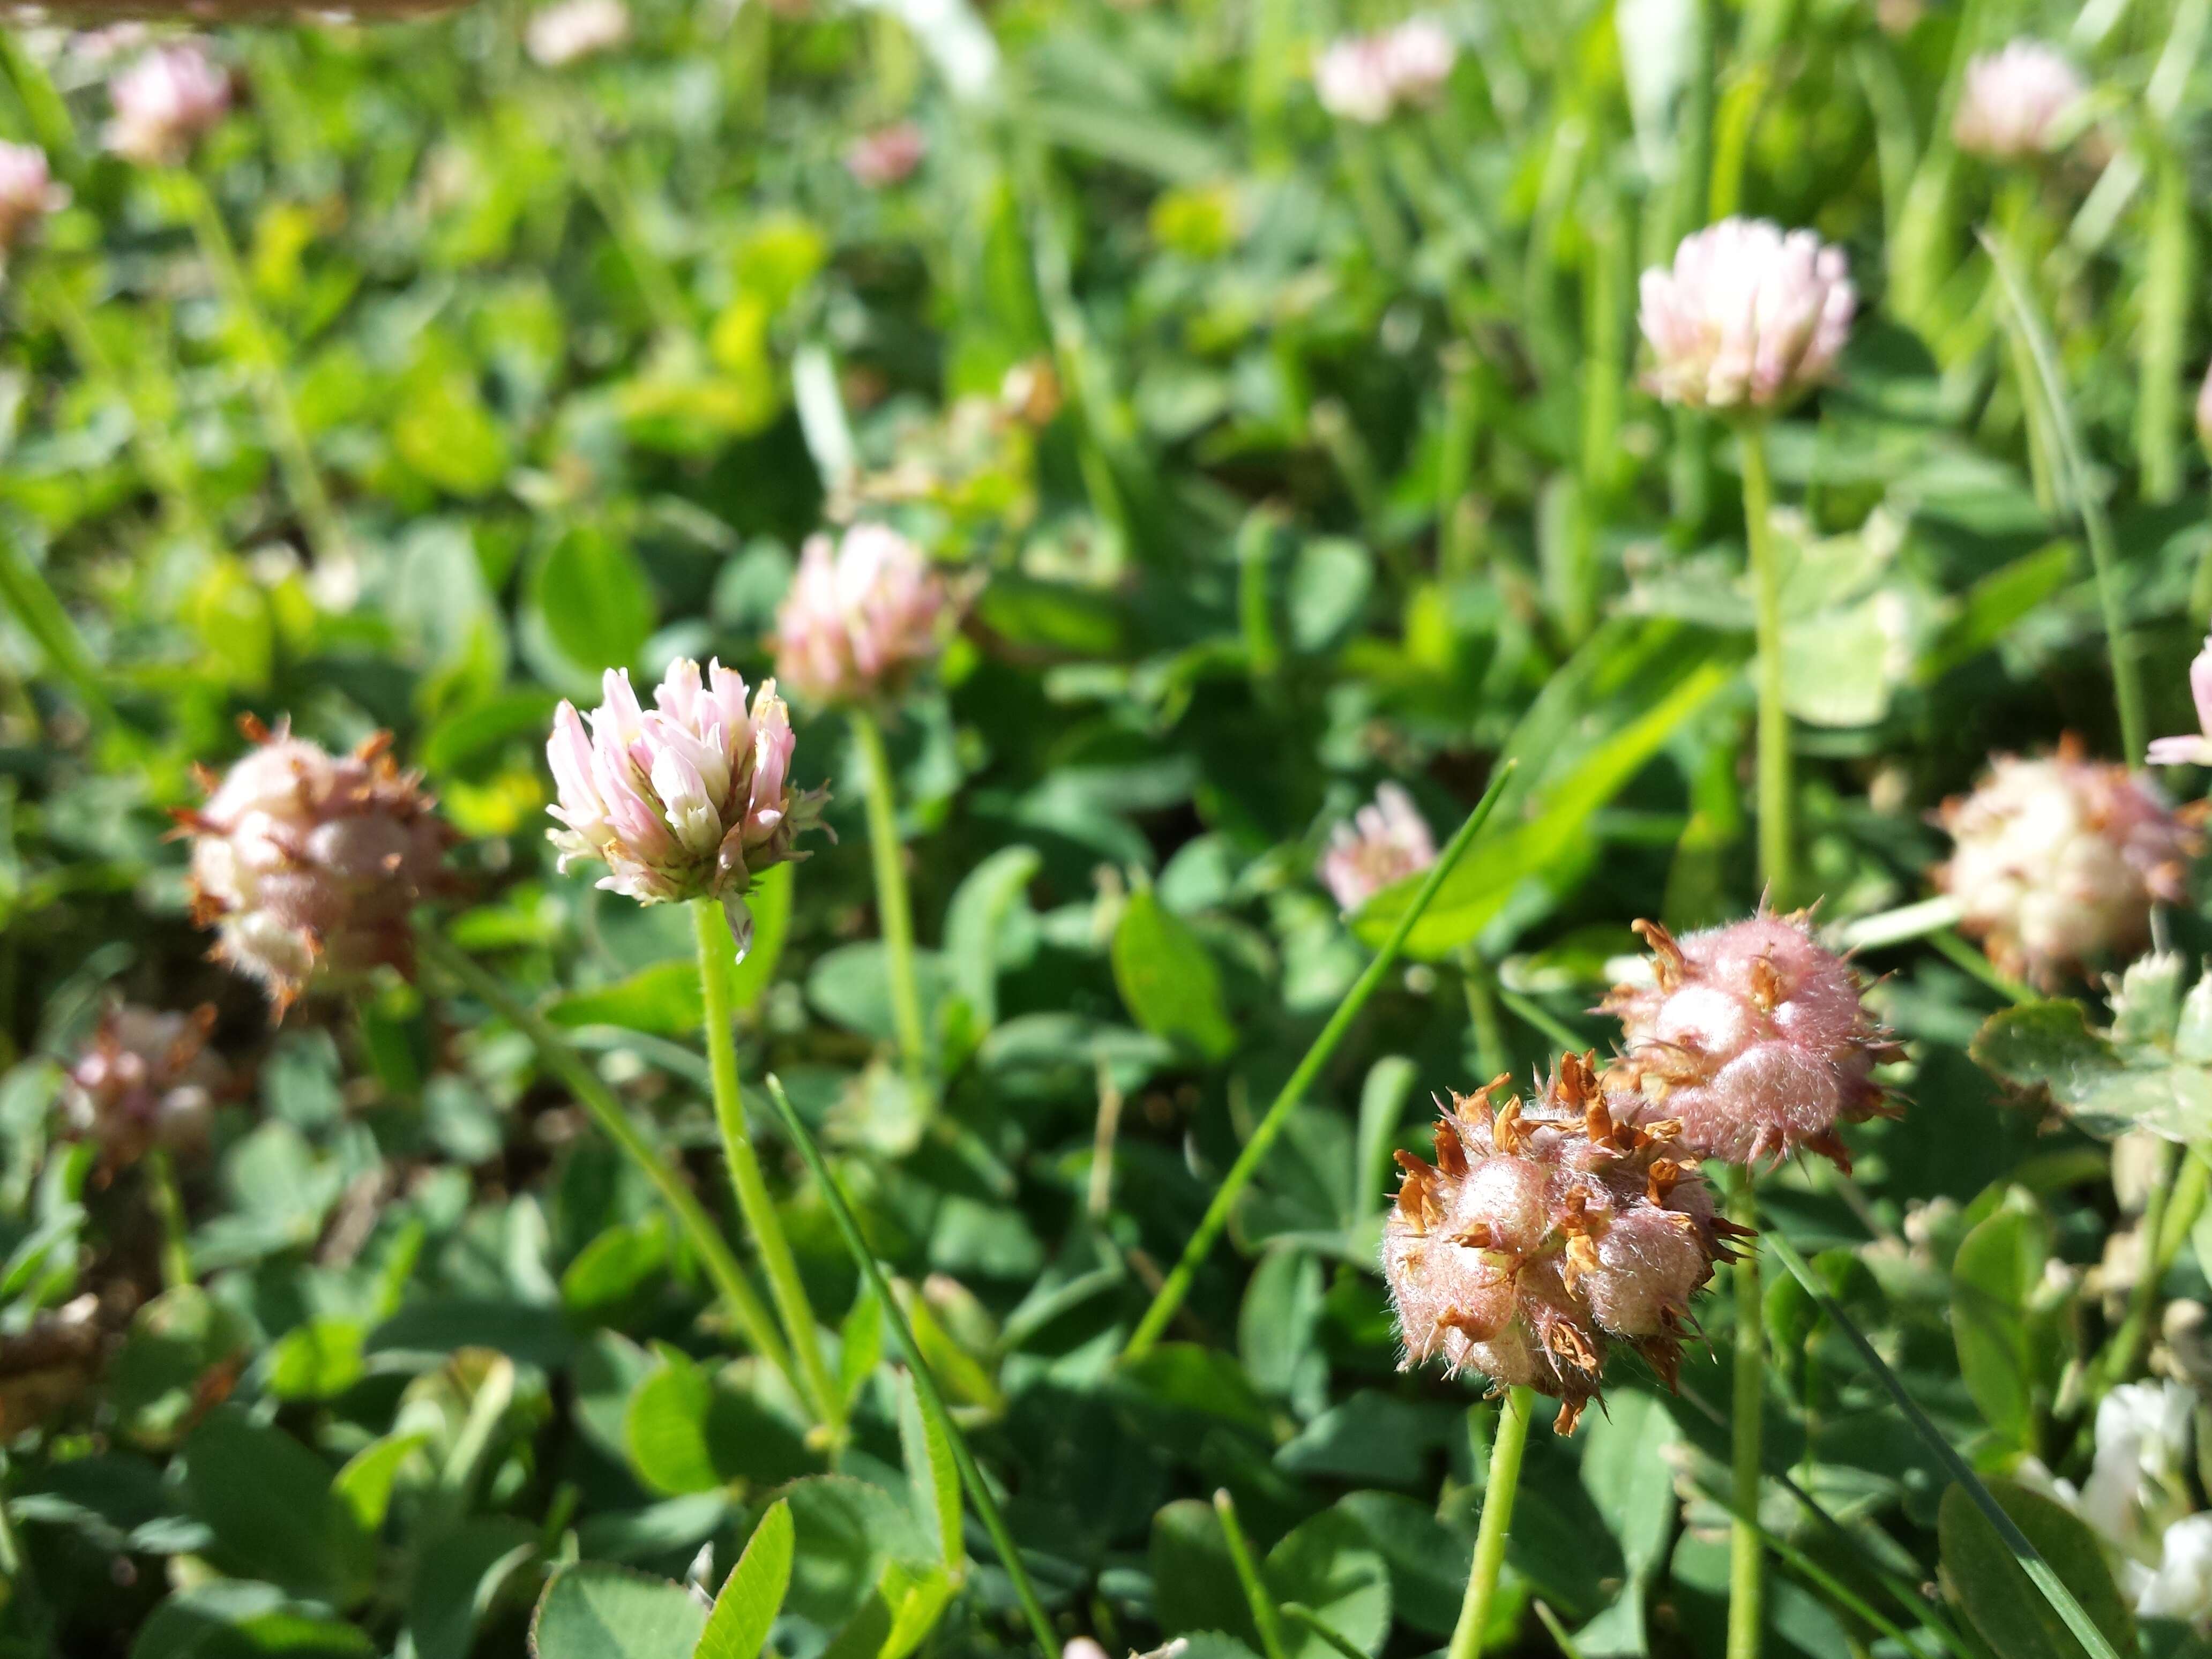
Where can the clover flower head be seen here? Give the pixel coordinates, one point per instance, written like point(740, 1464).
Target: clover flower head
point(690, 798)
point(28, 194)
point(307, 864)
point(864, 615)
point(1367, 77)
point(572, 30)
point(887, 155)
point(1545, 1231)
point(1386, 841)
point(146, 1079)
point(2056, 860)
point(2013, 100)
point(164, 101)
point(2195, 747)
point(1754, 1038)
point(1749, 317)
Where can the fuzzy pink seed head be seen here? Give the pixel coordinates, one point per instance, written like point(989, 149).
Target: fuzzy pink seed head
point(863, 616)
point(1386, 841)
point(690, 798)
point(164, 102)
point(2014, 101)
point(2056, 861)
point(1752, 1037)
point(146, 1079)
point(1544, 1232)
point(1749, 316)
point(307, 864)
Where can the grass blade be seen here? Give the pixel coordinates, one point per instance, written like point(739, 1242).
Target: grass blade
point(925, 1382)
point(1248, 1163)
point(2031, 1559)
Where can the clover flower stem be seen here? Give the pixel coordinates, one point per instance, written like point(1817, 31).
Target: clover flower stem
point(2163, 334)
point(2127, 1342)
point(288, 439)
point(712, 931)
point(1264, 1617)
point(1172, 1290)
point(894, 909)
point(1776, 843)
point(1479, 979)
point(51, 127)
point(1497, 1494)
point(557, 1056)
point(28, 597)
point(161, 1174)
point(1961, 955)
point(1746, 1587)
point(925, 1381)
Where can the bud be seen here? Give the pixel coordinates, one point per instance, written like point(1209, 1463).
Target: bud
point(146, 1079)
point(307, 864)
point(1386, 841)
point(1752, 1037)
point(574, 30)
point(861, 620)
point(2056, 860)
point(691, 800)
point(1365, 77)
point(2013, 101)
point(1543, 1233)
point(28, 193)
point(2195, 749)
point(886, 156)
point(1747, 317)
point(164, 101)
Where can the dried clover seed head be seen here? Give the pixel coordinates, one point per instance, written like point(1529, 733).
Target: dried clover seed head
point(1754, 1038)
point(146, 1078)
point(1544, 1231)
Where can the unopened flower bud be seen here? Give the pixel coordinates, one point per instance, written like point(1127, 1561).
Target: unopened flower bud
point(886, 156)
point(2056, 860)
point(861, 618)
point(28, 193)
point(1754, 1038)
point(689, 799)
point(1386, 841)
point(146, 1079)
point(573, 30)
point(1543, 1233)
point(2013, 100)
point(1749, 316)
point(307, 864)
point(164, 102)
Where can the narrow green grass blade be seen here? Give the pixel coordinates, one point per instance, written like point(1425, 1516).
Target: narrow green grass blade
point(925, 1382)
point(1248, 1163)
point(2030, 1558)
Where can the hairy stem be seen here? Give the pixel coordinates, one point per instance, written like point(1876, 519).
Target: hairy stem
point(169, 1210)
point(1747, 1585)
point(894, 909)
point(1497, 1495)
point(712, 931)
point(1776, 845)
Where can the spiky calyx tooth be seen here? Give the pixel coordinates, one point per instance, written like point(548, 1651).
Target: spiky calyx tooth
point(2056, 860)
point(307, 864)
point(1545, 1230)
point(1753, 1039)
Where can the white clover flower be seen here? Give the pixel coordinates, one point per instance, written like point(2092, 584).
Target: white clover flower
point(1367, 77)
point(1749, 316)
point(689, 799)
point(2195, 747)
point(2180, 1587)
point(28, 193)
point(573, 30)
point(1386, 841)
point(2013, 101)
point(861, 617)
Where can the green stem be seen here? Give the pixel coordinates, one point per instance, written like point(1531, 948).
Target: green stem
point(1497, 1495)
point(25, 593)
point(1964, 955)
point(711, 928)
point(1265, 1618)
point(169, 1210)
point(1492, 1056)
point(925, 1381)
point(563, 1061)
point(288, 438)
point(1747, 1585)
point(2164, 332)
point(49, 116)
point(894, 909)
point(1177, 1284)
point(1776, 844)
point(2039, 1570)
